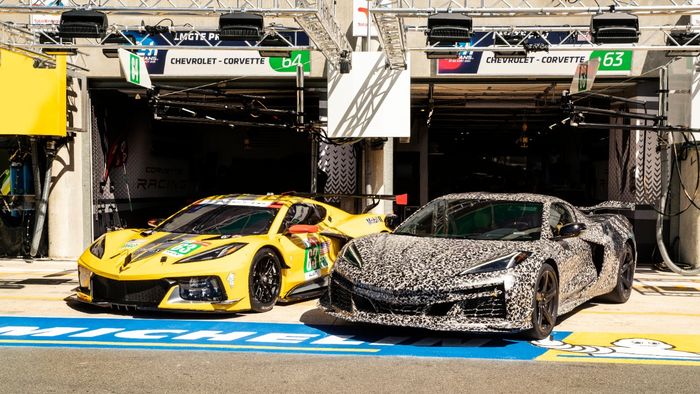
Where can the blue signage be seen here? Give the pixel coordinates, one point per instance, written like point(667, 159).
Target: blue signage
point(257, 337)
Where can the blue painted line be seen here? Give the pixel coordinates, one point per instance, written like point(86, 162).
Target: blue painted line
point(257, 337)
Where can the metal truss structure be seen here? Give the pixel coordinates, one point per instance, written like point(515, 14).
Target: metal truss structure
point(316, 17)
point(528, 8)
point(22, 41)
point(390, 16)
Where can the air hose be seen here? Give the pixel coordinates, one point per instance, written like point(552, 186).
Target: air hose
point(663, 94)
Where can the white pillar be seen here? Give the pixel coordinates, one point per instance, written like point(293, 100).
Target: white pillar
point(689, 226)
point(69, 216)
point(689, 223)
point(379, 174)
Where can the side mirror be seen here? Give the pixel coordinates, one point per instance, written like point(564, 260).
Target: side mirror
point(153, 223)
point(302, 229)
point(391, 221)
point(571, 230)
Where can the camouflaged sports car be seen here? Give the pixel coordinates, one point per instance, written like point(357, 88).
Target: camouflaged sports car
point(222, 254)
point(485, 262)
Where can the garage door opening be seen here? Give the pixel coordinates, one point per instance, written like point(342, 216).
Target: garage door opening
point(148, 167)
point(513, 137)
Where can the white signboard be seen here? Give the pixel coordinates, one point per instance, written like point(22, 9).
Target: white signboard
point(584, 76)
point(360, 16)
point(617, 61)
point(194, 62)
point(371, 100)
point(45, 19)
point(134, 69)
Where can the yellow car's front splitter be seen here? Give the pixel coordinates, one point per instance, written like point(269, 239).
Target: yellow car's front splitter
point(112, 293)
point(227, 306)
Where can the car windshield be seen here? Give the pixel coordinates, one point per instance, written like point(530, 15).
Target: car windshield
point(220, 220)
point(476, 219)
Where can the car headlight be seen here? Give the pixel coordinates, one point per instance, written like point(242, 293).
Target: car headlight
point(201, 289)
point(98, 247)
point(350, 254)
point(498, 264)
point(215, 253)
point(84, 276)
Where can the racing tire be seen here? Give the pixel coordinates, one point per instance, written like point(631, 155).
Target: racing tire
point(545, 302)
point(264, 280)
point(625, 278)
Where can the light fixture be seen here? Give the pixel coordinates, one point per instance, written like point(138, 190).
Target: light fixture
point(82, 24)
point(115, 39)
point(615, 28)
point(683, 38)
point(345, 64)
point(443, 54)
point(54, 39)
point(274, 40)
point(510, 41)
point(241, 26)
point(447, 27)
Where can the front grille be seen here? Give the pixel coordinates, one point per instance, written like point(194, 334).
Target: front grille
point(483, 302)
point(490, 303)
point(340, 296)
point(373, 306)
point(137, 292)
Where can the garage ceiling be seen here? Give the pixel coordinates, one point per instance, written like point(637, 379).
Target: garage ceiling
point(499, 105)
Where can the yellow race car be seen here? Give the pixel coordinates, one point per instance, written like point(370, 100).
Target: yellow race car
point(222, 254)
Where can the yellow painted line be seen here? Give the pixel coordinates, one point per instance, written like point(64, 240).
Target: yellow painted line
point(596, 347)
point(32, 298)
point(638, 313)
point(186, 345)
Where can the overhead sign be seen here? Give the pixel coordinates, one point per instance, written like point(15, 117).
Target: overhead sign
point(134, 69)
point(370, 101)
point(217, 62)
point(33, 100)
point(584, 76)
point(555, 63)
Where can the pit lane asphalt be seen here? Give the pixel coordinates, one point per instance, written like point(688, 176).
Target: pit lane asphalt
point(109, 370)
point(662, 303)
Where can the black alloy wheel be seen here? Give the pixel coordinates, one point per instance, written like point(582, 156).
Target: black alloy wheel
point(625, 278)
point(264, 281)
point(545, 303)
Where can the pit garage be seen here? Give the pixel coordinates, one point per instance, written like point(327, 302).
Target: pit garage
point(516, 135)
point(153, 155)
point(508, 136)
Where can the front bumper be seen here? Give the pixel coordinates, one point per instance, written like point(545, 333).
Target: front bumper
point(155, 294)
point(483, 308)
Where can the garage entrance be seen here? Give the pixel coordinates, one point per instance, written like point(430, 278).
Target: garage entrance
point(513, 136)
point(508, 136)
point(151, 159)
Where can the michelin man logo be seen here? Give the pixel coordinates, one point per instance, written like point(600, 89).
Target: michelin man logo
point(636, 348)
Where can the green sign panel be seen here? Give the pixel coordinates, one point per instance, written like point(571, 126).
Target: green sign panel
point(134, 69)
point(613, 60)
point(289, 64)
